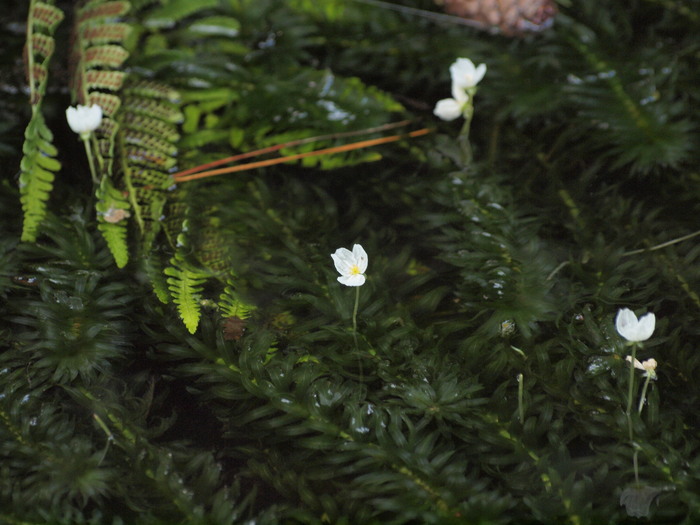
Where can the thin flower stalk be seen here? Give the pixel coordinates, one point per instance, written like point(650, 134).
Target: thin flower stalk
point(635, 331)
point(83, 120)
point(352, 265)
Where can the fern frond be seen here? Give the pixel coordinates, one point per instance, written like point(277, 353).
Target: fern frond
point(185, 285)
point(147, 151)
point(112, 212)
point(37, 174)
point(38, 163)
point(153, 266)
point(231, 305)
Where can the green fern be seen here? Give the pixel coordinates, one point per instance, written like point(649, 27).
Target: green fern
point(37, 174)
point(153, 268)
point(112, 211)
point(147, 151)
point(38, 164)
point(231, 305)
point(175, 10)
point(136, 138)
point(185, 285)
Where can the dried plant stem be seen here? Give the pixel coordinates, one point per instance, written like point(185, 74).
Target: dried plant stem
point(290, 144)
point(325, 151)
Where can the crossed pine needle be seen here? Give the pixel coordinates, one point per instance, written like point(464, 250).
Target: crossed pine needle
point(206, 170)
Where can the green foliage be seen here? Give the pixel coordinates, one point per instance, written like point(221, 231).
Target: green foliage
point(172, 11)
point(113, 210)
point(485, 382)
point(185, 285)
point(38, 165)
point(231, 305)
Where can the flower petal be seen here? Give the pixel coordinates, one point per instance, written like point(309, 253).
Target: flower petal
point(360, 256)
point(626, 323)
point(646, 326)
point(84, 119)
point(465, 74)
point(637, 364)
point(343, 260)
point(352, 280)
point(448, 109)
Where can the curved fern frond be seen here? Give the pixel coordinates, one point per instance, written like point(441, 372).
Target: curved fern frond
point(38, 164)
point(185, 285)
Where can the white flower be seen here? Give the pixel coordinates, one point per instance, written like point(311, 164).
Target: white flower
point(465, 75)
point(451, 108)
point(351, 265)
point(632, 329)
point(649, 366)
point(84, 119)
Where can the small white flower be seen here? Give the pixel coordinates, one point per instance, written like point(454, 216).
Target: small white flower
point(451, 108)
point(649, 366)
point(632, 329)
point(351, 265)
point(465, 75)
point(84, 119)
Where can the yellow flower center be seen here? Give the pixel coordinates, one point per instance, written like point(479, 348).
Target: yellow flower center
point(355, 270)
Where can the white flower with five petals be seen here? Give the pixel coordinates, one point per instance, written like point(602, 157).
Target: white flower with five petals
point(351, 265)
point(84, 119)
point(633, 329)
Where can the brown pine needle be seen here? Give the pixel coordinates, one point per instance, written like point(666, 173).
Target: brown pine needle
point(280, 160)
point(289, 144)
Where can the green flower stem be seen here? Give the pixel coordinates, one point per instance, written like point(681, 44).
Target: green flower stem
point(630, 393)
point(630, 427)
point(643, 397)
point(88, 151)
point(521, 407)
point(463, 140)
point(354, 314)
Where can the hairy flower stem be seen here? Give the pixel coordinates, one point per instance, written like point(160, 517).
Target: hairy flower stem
point(88, 151)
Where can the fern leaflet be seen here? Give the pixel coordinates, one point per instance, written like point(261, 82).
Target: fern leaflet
point(112, 212)
point(185, 285)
